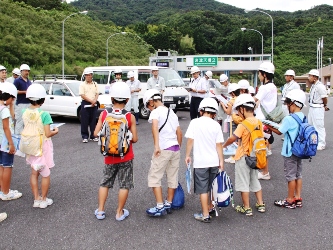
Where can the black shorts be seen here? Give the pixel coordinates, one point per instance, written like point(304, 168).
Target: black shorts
point(203, 179)
point(123, 170)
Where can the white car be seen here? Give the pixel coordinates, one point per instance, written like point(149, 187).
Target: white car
point(63, 97)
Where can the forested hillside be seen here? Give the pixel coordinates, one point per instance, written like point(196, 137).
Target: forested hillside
point(34, 36)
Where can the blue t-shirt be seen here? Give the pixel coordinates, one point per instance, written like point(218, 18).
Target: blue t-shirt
point(290, 125)
point(22, 85)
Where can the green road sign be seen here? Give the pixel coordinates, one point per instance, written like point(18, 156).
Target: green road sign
point(205, 61)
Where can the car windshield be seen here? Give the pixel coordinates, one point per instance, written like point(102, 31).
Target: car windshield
point(74, 86)
point(171, 77)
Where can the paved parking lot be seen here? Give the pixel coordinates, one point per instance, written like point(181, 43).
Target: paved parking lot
point(70, 222)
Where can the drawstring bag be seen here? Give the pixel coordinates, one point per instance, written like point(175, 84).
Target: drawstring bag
point(179, 198)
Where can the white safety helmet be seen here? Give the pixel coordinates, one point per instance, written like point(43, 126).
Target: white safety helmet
point(209, 74)
point(155, 68)
point(151, 94)
point(120, 91)
point(88, 71)
point(9, 88)
point(130, 74)
point(16, 71)
point(289, 72)
point(24, 67)
point(244, 100)
point(244, 84)
point(314, 72)
point(35, 92)
point(118, 71)
point(223, 78)
point(232, 87)
point(208, 104)
point(2, 68)
point(267, 67)
point(297, 96)
point(194, 69)
point(251, 90)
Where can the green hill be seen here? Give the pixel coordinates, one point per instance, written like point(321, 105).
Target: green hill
point(34, 36)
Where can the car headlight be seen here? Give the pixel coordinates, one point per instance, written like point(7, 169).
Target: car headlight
point(168, 98)
point(104, 106)
point(186, 98)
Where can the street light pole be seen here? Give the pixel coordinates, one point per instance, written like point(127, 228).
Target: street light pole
point(262, 41)
point(107, 45)
point(63, 40)
point(246, 11)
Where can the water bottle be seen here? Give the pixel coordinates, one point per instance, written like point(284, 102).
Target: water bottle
point(107, 88)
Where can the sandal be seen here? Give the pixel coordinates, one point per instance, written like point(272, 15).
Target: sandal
point(100, 214)
point(123, 217)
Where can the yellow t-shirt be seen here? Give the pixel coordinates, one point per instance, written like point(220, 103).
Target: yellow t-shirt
point(88, 89)
point(244, 138)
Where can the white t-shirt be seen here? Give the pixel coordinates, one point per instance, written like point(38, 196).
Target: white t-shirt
point(206, 133)
point(5, 113)
point(167, 136)
point(267, 95)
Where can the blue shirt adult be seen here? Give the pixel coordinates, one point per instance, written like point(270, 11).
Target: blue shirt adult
point(290, 125)
point(22, 85)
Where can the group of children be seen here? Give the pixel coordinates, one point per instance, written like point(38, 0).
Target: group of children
point(41, 164)
point(204, 136)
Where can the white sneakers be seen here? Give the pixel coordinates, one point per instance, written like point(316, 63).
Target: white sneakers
point(269, 152)
point(3, 216)
point(231, 159)
point(12, 195)
point(263, 176)
point(42, 204)
point(320, 147)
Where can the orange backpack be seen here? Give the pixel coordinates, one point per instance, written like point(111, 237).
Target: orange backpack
point(257, 147)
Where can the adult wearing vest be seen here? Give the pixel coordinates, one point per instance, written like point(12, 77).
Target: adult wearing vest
point(88, 91)
point(21, 83)
point(156, 81)
point(318, 106)
point(290, 85)
point(118, 73)
point(208, 75)
point(198, 90)
point(223, 90)
point(135, 87)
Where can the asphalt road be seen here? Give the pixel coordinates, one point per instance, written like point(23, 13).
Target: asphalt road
point(70, 222)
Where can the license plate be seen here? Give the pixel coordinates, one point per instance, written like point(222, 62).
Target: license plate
point(172, 106)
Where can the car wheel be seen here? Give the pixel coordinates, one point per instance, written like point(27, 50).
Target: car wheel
point(144, 113)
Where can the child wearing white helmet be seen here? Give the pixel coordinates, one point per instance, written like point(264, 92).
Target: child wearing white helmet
point(117, 165)
point(318, 99)
point(135, 86)
point(41, 163)
point(204, 135)
point(8, 93)
point(244, 86)
point(267, 96)
point(167, 137)
point(295, 101)
point(252, 91)
point(246, 178)
point(290, 85)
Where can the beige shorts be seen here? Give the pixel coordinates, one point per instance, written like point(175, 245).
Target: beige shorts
point(246, 178)
point(167, 162)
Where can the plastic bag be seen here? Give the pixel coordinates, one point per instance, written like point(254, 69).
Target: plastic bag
point(179, 198)
point(188, 178)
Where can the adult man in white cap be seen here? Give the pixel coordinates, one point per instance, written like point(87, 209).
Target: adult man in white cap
point(89, 93)
point(21, 83)
point(16, 73)
point(223, 90)
point(198, 91)
point(156, 81)
point(290, 85)
point(318, 106)
point(208, 75)
point(3, 73)
point(135, 87)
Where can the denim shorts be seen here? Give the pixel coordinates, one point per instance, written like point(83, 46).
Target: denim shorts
point(6, 160)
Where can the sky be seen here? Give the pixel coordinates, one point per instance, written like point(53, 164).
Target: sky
point(285, 5)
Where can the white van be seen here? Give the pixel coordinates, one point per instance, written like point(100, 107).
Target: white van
point(175, 95)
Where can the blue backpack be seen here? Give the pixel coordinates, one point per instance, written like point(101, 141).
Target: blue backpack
point(222, 191)
point(306, 142)
point(178, 198)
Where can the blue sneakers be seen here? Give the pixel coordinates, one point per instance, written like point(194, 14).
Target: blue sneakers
point(155, 211)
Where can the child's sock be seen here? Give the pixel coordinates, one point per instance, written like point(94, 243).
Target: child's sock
point(160, 205)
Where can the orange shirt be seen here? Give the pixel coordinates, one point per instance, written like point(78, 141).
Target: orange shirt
point(244, 138)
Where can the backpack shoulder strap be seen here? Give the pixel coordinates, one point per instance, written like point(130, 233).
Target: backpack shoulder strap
point(250, 127)
point(297, 118)
point(165, 121)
